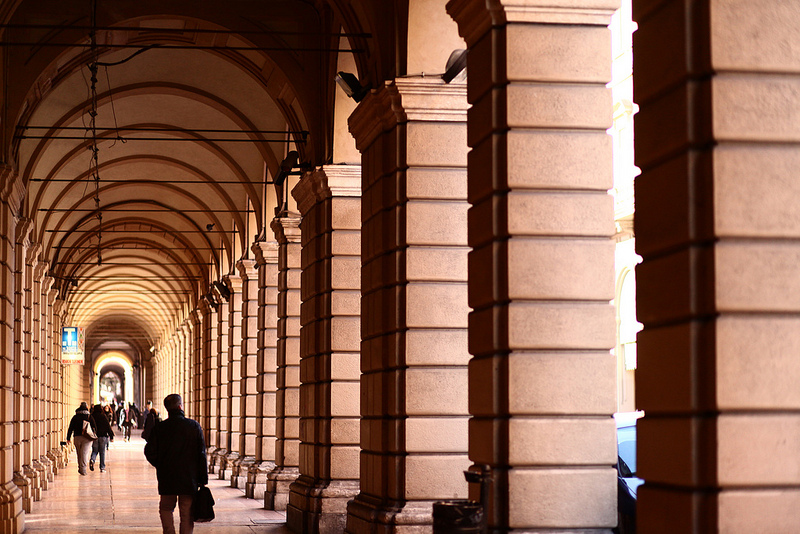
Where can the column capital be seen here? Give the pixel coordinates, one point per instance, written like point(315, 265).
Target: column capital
point(287, 229)
point(23, 230)
point(52, 293)
point(415, 98)
point(265, 252)
point(247, 269)
point(40, 271)
point(327, 182)
point(234, 282)
point(476, 17)
point(12, 190)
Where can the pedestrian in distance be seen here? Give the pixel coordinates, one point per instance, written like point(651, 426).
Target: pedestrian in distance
point(177, 450)
point(83, 445)
point(104, 435)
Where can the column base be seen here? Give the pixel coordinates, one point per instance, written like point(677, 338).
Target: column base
point(40, 476)
point(47, 464)
point(226, 467)
point(278, 481)
point(317, 506)
point(256, 485)
point(366, 515)
point(219, 461)
point(240, 471)
point(55, 461)
point(12, 518)
point(211, 459)
point(25, 487)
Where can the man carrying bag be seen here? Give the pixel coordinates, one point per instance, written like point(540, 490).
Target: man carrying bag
point(177, 450)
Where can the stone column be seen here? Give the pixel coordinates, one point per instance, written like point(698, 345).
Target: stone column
point(330, 340)
point(24, 475)
point(196, 373)
point(247, 382)
point(412, 137)
point(40, 376)
point(12, 518)
point(541, 274)
point(717, 224)
point(234, 378)
point(56, 451)
point(207, 367)
point(287, 446)
point(221, 379)
point(266, 254)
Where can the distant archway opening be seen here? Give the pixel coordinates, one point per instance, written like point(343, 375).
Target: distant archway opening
point(113, 378)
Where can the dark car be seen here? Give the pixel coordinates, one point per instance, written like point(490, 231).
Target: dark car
point(627, 481)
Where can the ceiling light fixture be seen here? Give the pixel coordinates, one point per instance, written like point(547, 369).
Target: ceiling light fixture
point(456, 63)
point(351, 86)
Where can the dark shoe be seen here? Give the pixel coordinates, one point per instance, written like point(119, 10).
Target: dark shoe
point(91, 465)
point(102, 470)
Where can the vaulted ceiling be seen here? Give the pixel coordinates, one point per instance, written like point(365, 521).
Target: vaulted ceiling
point(189, 108)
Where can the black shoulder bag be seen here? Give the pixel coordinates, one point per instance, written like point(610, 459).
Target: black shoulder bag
point(203, 505)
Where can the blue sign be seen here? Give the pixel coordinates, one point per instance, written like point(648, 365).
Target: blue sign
point(73, 344)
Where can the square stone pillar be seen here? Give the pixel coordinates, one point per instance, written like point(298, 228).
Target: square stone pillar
point(413, 140)
point(541, 273)
point(266, 254)
point(222, 401)
point(717, 225)
point(208, 365)
point(287, 444)
point(330, 339)
point(12, 518)
point(247, 384)
point(234, 378)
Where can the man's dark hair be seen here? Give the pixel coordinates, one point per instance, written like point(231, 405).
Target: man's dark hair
point(173, 402)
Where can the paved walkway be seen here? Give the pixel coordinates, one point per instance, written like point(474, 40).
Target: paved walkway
point(125, 499)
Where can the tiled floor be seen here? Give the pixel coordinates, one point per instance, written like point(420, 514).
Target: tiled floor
point(125, 499)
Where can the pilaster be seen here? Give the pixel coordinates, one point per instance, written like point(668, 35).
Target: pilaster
point(12, 519)
point(266, 254)
point(717, 291)
point(220, 377)
point(234, 378)
point(541, 270)
point(330, 339)
point(412, 135)
point(287, 431)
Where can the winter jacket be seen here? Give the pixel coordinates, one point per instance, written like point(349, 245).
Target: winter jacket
point(149, 423)
point(102, 424)
point(178, 451)
point(76, 423)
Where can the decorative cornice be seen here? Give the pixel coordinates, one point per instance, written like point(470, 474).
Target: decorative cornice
point(23, 230)
point(415, 98)
point(234, 283)
point(305, 192)
point(327, 182)
point(476, 17)
point(287, 229)
point(265, 252)
point(247, 269)
point(12, 190)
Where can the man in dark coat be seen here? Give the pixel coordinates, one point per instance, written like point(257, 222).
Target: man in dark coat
point(178, 451)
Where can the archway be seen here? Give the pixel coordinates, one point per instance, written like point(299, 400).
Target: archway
point(108, 361)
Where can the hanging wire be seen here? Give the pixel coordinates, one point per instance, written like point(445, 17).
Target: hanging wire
point(95, 165)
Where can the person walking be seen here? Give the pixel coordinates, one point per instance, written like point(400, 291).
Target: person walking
point(177, 450)
point(104, 434)
point(150, 421)
point(131, 417)
point(82, 444)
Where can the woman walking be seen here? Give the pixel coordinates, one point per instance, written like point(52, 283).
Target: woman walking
point(82, 444)
point(104, 434)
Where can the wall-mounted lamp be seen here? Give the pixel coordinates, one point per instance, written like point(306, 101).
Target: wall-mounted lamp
point(351, 86)
point(456, 63)
point(223, 289)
